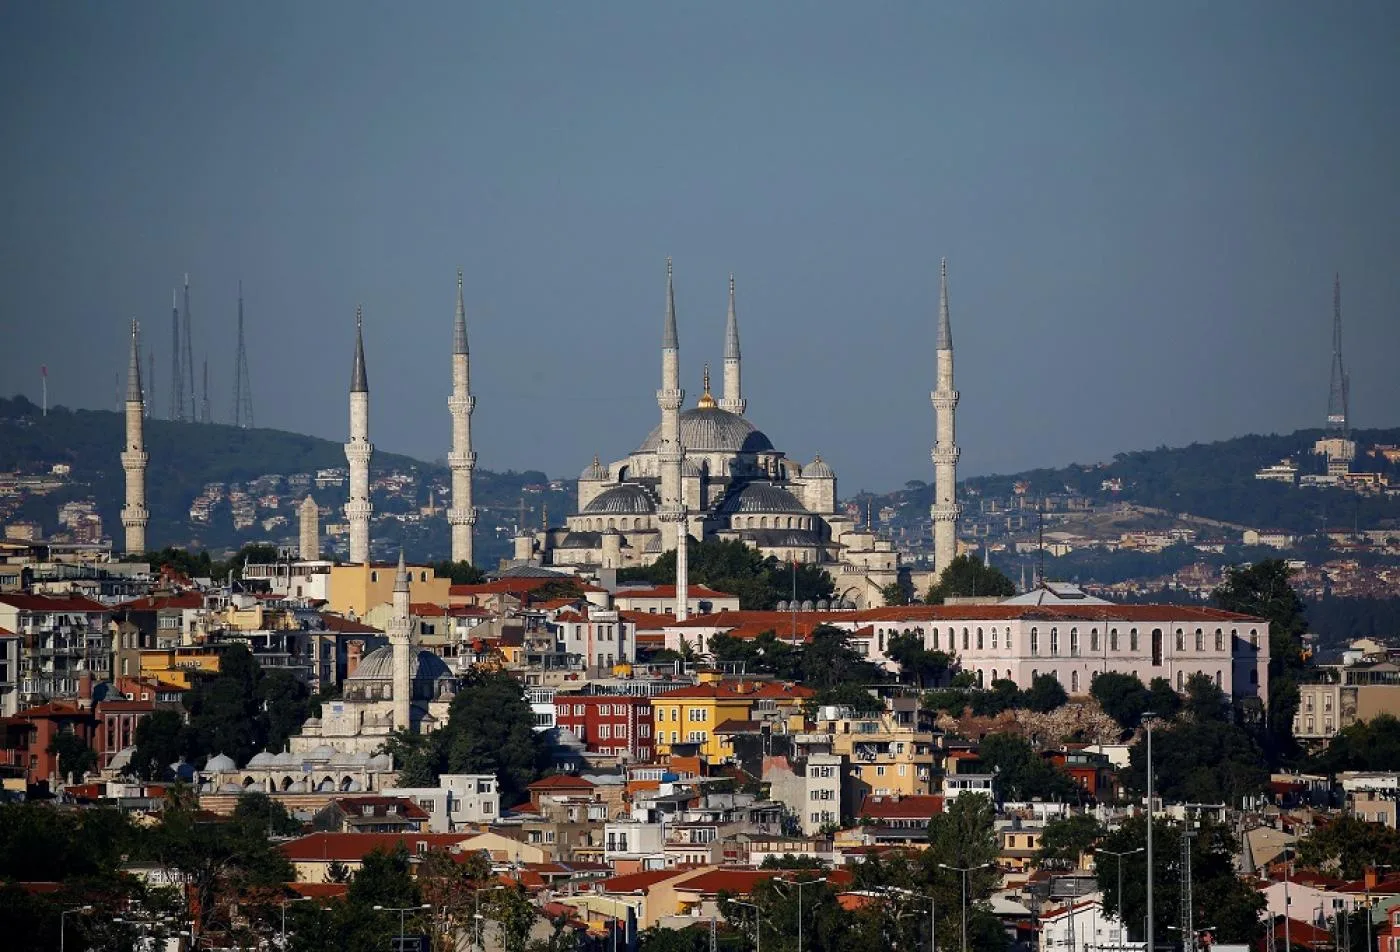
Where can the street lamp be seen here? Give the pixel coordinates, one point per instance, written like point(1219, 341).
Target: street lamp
point(476, 914)
point(932, 913)
point(964, 870)
point(1147, 717)
point(402, 911)
point(1119, 856)
point(799, 884)
point(284, 903)
point(757, 927)
point(62, 918)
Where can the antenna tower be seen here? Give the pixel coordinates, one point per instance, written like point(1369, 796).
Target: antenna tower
point(1188, 925)
point(242, 389)
point(188, 359)
point(1338, 421)
point(204, 416)
point(177, 377)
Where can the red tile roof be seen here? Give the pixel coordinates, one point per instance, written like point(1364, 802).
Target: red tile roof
point(355, 806)
point(648, 621)
point(319, 890)
point(742, 881)
point(562, 782)
point(52, 603)
point(348, 626)
point(669, 591)
point(739, 689)
point(157, 602)
point(901, 808)
point(640, 882)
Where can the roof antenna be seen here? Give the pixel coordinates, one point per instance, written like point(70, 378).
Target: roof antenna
point(1040, 558)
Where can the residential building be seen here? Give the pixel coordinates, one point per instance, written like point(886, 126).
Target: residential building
point(608, 723)
point(691, 714)
point(457, 802)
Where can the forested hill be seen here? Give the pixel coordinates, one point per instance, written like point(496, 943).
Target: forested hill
point(184, 457)
point(1210, 480)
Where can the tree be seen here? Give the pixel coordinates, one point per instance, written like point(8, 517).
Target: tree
point(1067, 838)
point(828, 659)
point(514, 915)
point(1347, 845)
point(1366, 745)
point(1162, 699)
point(75, 757)
point(916, 662)
point(418, 757)
point(452, 889)
point(732, 566)
point(1122, 697)
point(1045, 694)
point(1205, 701)
point(258, 810)
point(1223, 899)
point(491, 729)
point(384, 879)
point(846, 694)
point(1200, 762)
point(160, 740)
point(1263, 590)
point(965, 577)
point(1021, 773)
point(898, 592)
point(460, 573)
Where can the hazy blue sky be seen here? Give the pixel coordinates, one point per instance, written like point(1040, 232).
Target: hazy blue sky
point(1142, 206)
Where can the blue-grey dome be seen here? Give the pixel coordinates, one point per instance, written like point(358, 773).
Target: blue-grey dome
point(626, 500)
point(817, 469)
point(712, 430)
point(761, 498)
point(378, 665)
point(582, 540)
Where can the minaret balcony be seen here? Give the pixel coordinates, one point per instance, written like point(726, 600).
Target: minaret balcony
point(946, 512)
point(464, 516)
point(944, 399)
point(358, 451)
point(358, 508)
point(457, 460)
point(464, 403)
point(942, 455)
point(135, 459)
point(670, 399)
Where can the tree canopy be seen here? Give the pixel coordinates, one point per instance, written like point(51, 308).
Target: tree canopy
point(1263, 589)
point(1366, 745)
point(728, 565)
point(965, 576)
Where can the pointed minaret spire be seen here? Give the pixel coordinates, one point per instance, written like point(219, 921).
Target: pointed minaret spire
point(670, 340)
point(134, 458)
point(733, 399)
point(359, 382)
point(461, 459)
point(358, 452)
point(945, 509)
point(671, 452)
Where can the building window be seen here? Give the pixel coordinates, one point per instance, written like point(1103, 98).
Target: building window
point(1132, 640)
point(1219, 640)
point(980, 645)
point(965, 640)
point(1035, 641)
point(1074, 642)
point(1200, 640)
point(1094, 640)
point(1179, 680)
point(1054, 641)
point(934, 646)
point(994, 639)
point(1254, 638)
point(1113, 639)
point(1074, 682)
point(1156, 647)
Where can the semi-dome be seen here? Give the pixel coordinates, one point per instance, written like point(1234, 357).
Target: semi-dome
point(626, 500)
point(761, 498)
point(378, 665)
point(817, 469)
point(582, 540)
point(712, 430)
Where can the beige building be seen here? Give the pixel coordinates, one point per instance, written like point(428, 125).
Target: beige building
point(1362, 692)
point(357, 589)
point(885, 756)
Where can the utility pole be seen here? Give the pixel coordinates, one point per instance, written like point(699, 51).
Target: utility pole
point(1188, 925)
point(1147, 722)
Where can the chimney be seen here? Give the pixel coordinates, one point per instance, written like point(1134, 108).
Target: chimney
point(1372, 879)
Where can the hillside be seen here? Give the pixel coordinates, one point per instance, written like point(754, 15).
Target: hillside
point(185, 457)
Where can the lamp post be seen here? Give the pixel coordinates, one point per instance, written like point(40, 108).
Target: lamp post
point(62, 922)
point(757, 926)
point(403, 911)
point(476, 914)
point(284, 904)
point(799, 884)
point(964, 871)
point(1119, 856)
point(1147, 717)
point(932, 913)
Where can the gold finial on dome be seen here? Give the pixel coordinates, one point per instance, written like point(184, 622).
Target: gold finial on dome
point(706, 402)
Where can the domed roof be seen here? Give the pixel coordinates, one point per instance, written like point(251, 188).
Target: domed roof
point(622, 500)
point(378, 665)
point(691, 468)
point(582, 540)
point(261, 759)
point(595, 470)
point(760, 498)
point(712, 430)
point(219, 763)
point(817, 469)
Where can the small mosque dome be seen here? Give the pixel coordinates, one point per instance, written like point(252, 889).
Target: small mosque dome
point(622, 500)
point(220, 763)
point(782, 605)
point(807, 605)
point(817, 469)
point(761, 498)
point(822, 604)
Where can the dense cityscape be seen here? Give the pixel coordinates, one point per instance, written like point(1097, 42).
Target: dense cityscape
point(265, 690)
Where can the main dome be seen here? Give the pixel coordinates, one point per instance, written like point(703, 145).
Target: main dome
point(378, 665)
point(712, 430)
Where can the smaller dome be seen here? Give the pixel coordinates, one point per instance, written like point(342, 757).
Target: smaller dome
point(595, 471)
point(622, 500)
point(782, 606)
point(581, 540)
point(822, 604)
point(298, 787)
point(761, 498)
point(230, 788)
point(817, 469)
point(653, 544)
point(807, 605)
point(321, 752)
point(261, 759)
point(691, 468)
point(220, 763)
point(381, 762)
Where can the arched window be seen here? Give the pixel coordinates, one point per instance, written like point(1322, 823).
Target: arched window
point(1200, 640)
point(965, 640)
point(1156, 646)
point(1074, 642)
point(1035, 641)
point(1217, 677)
point(1094, 640)
point(980, 645)
point(1180, 640)
point(1054, 641)
point(1219, 640)
point(1254, 637)
point(934, 646)
point(1113, 639)
point(1178, 681)
point(994, 642)
point(374, 576)
point(1132, 640)
point(1008, 646)
point(1074, 682)
point(880, 639)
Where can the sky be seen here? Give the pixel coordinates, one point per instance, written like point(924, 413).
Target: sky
point(1142, 207)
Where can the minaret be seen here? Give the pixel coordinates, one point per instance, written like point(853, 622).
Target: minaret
point(309, 548)
point(400, 632)
point(358, 451)
point(733, 399)
point(134, 457)
point(462, 461)
point(945, 509)
point(670, 453)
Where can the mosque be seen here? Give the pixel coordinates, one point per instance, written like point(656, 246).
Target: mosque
point(710, 473)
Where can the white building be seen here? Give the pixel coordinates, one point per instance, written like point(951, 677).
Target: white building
point(1083, 925)
point(458, 801)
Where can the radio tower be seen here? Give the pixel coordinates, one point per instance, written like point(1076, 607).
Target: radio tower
point(1337, 443)
point(242, 389)
point(177, 378)
point(187, 384)
point(204, 416)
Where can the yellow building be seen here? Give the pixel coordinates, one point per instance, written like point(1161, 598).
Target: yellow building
point(356, 589)
point(886, 757)
point(178, 665)
point(690, 715)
